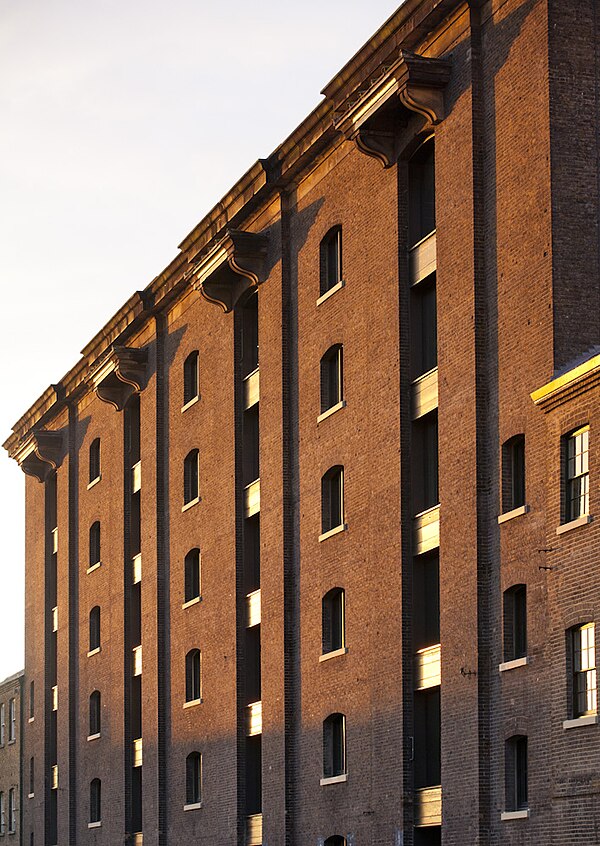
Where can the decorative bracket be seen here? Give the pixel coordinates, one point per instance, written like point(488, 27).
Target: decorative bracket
point(40, 453)
point(119, 375)
point(233, 266)
point(373, 118)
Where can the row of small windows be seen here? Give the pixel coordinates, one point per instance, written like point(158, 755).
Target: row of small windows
point(12, 722)
point(12, 812)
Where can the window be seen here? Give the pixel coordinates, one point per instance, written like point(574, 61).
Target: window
point(2, 724)
point(190, 377)
point(423, 322)
point(332, 375)
point(515, 622)
point(577, 474)
point(421, 193)
point(333, 620)
point(249, 323)
point(95, 715)
point(95, 800)
point(12, 811)
point(95, 628)
point(193, 779)
point(94, 544)
point(335, 840)
point(331, 260)
point(94, 460)
point(12, 721)
point(192, 575)
point(31, 700)
point(334, 745)
point(192, 676)
point(513, 473)
point(31, 776)
point(190, 477)
point(584, 670)
point(2, 815)
point(515, 773)
point(425, 462)
point(332, 499)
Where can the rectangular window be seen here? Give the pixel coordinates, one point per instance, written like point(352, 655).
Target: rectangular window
point(577, 474)
point(584, 670)
point(425, 462)
point(513, 473)
point(12, 721)
point(2, 724)
point(515, 773)
point(424, 326)
point(515, 622)
point(12, 811)
point(2, 815)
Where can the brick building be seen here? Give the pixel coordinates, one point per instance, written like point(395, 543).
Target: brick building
point(11, 758)
point(312, 512)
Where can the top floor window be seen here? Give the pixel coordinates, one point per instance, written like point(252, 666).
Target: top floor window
point(421, 193)
point(94, 466)
point(190, 378)
point(331, 260)
point(577, 479)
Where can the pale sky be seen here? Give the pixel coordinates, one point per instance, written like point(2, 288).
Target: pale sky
point(122, 123)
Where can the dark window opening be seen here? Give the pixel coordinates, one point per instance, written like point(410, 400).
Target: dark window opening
point(332, 499)
point(427, 758)
point(251, 445)
point(252, 553)
point(513, 473)
point(95, 628)
point(515, 622)
point(95, 800)
point(193, 778)
point(331, 260)
point(426, 600)
point(192, 675)
point(516, 773)
point(95, 716)
point(190, 377)
point(94, 460)
point(425, 462)
point(577, 477)
point(421, 193)
point(332, 377)
point(333, 620)
point(424, 326)
point(94, 557)
point(334, 745)
point(249, 314)
point(192, 575)
point(190, 477)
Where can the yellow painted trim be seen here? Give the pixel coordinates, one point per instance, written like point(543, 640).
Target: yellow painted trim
point(562, 381)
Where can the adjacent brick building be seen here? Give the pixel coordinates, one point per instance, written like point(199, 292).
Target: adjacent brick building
point(11, 758)
point(312, 514)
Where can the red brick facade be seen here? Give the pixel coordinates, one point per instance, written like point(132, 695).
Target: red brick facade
point(372, 678)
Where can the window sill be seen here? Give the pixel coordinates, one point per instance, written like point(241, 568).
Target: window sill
point(343, 527)
point(94, 825)
point(10, 742)
point(510, 515)
point(333, 654)
point(93, 736)
point(339, 779)
point(579, 722)
point(574, 524)
point(192, 703)
point(190, 403)
point(325, 414)
point(94, 481)
point(94, 567)
point(31, 795)
point(193, 806)
point(512, 665)
point(523, 814)
point(31, 719)
point(189, 504)
point(337, 287)
point(191, 602)
point(94, 651)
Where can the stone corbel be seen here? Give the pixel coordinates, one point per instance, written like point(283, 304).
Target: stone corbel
point(375, 118)
point(119, 375)
point(233, 266)
point(40, 453)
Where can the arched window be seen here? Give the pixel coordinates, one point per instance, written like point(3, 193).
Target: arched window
point(192, 575)
point(190, 477)
point(190, 377)
point(421, 193)
point(334, 745)
point(193, 685)
point(94, 544)
point(333, 620)
point(332, 499)
point(335, 840)
point(95, 714)
point(193, 779)
point(95, 628)
point(332, 377)
point(31, 700)
point(330, 260)
point(95, 800)
point(94, 460)
point(515, 622)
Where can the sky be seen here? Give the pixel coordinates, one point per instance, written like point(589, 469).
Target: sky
point(123, 122)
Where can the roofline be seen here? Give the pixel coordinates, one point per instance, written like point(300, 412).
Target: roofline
point(265, 179)
point(15, 677)
point(574, 381)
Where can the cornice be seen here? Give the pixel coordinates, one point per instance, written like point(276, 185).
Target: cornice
point(118, 375)
point(371, 118)
point(569, 385)
point(39, 454)
point(233, 266)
